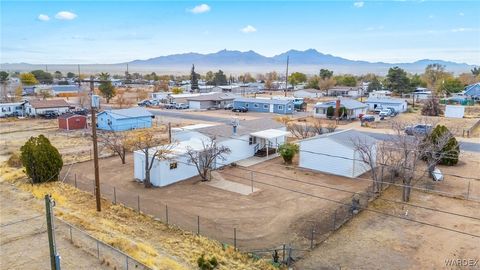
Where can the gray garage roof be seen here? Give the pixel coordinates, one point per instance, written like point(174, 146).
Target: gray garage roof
point(346, 137)
point(267, 101)
point(344, 102)
point(223, 132)
point(385, 101)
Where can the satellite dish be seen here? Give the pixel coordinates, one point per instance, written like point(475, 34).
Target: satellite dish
point(235, 122)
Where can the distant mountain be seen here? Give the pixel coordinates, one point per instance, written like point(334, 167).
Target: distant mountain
point(308, 61)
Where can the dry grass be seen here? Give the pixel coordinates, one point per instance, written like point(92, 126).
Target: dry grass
point(151, 242)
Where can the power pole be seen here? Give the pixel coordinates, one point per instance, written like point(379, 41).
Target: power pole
point(79, 82)
point(286, 78)
point(95, 147)
point(54, 257)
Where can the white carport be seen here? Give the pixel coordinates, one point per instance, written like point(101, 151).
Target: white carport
point(268, 137)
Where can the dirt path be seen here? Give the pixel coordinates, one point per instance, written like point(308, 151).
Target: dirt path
point(372, 241)
point(24, 245)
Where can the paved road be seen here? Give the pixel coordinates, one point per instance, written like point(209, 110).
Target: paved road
point(465, 146)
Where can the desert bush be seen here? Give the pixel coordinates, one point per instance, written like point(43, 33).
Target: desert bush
point(41, 159)
point(288, 151)
point(14, 160)
point(207, 264)
point(431, 107)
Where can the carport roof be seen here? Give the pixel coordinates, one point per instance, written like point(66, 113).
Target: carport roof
point(270, 134)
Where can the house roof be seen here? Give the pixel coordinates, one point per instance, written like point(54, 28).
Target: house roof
point(267, 101)
point(69, 115)
point(385, 100)
point(65, 88)
point(134, 112)
point(473, 90)
point(245, 127)
point(270, 133)
point(50, 103)
point(344, 102)
point(346, 137)
point(213, 97)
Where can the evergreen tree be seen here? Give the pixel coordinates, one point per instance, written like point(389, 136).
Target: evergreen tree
point(397, 80)
point(194, 79)
point(106, 88)
point(41, 160)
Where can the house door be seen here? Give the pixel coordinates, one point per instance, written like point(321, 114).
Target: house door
point(271, 107)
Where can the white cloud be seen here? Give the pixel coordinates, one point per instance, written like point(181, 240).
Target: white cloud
point(462, 29)
point(248, 29)
point(200, 9)
point(43, 17)
point(65, 15)
point(359, 4)
point(461, 14)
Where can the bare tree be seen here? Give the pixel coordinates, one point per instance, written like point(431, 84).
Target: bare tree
point(206, 158)
point(306, 130)
point(146, 142)
point(117, 142)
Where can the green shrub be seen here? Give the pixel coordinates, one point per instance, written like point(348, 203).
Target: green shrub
point(14, 160)
point(451, 150)
point(330, 112)
point(41, 160)
point(207, 264)
point(288, 151)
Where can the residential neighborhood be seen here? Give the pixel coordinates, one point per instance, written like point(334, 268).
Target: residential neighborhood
point(125, 151)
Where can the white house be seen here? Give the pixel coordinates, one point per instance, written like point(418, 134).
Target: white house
point(253, 137)
point(399, 105)
point(39, 107)
point(308, 93)
point(345, 91)
point(215, 100)
point(380, 94)
point(335, 153)
point(354, 108)
point(12, 109)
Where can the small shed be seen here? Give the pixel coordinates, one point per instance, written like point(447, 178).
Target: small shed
point(70, 121)
point(124, 119)
point(454, 111)
point(335, 153)
point(265, 105)
point(399, 105)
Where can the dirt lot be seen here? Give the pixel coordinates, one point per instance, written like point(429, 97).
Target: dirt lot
point(24, 245)
point(373, 241)
point(264, 219)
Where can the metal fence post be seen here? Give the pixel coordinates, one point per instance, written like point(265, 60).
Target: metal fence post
point(198, 225)
point(166, 213)
point(235, 238)
point(311, 237)
point(334, 219)
point(468, 190)
point(75, 180)
point(138, 203)
point(98, 250)
point(114, 196)
point(126, 262)
point(70, 228)
point(283, 256)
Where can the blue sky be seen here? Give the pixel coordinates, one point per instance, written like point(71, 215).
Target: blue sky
point(118, 31)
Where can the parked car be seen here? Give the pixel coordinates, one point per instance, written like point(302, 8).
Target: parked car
point(181, 106)
point(385, 113)
point(240, 109)
point(228, 106)
point(145, 103)
point(49, 115)
point(172, 105)
point(81, 111)
point(393, 111)
point(368, 118)
point(420, 129)
point(377, 110)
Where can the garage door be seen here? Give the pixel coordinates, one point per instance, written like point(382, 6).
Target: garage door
point(194, 105)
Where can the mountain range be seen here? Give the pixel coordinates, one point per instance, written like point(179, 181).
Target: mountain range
point(309, 61)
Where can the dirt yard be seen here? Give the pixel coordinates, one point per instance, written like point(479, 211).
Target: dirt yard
point(266, 218)
point(374, 241)
point(24, 245)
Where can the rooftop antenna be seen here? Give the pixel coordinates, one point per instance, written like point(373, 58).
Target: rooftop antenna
point(235, 123)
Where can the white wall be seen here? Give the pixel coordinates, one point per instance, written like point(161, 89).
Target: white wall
point(42, 111)
point(195, 105)
point(454, 111)
point(330, 164)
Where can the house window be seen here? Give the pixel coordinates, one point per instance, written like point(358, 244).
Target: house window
point(280, 107)
point(252, 140)
point(265, 106)
point(256, 105)
point(173, 165)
